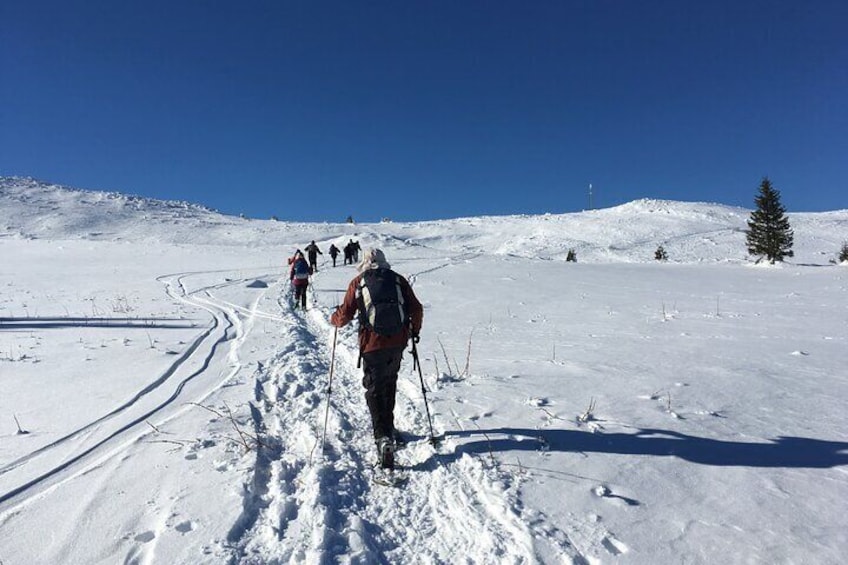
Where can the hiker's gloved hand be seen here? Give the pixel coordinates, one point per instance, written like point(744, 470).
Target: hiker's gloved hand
point(416, 338)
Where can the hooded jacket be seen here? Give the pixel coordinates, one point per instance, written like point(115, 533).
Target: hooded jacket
point(292, 264)
point(349, 308)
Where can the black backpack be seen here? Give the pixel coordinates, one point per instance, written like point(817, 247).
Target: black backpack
point(382, 308)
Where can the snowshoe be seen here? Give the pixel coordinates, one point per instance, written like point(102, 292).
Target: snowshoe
point(399, 439)
point(386, 452)
point(389, 477)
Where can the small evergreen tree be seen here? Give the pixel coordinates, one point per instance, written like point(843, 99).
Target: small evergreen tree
point(843, 253)
point(660, 254)
point(768, 233)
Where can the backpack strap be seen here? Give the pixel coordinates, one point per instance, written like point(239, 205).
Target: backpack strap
point(365, 304)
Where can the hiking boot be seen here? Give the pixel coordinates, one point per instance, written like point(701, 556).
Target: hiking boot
point(398, 438)
point(386, 452)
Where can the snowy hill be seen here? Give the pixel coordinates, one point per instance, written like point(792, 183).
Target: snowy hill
point(161, 401)
point(38, 210)
point(690, 232)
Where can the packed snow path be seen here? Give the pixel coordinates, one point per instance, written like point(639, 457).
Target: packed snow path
point(305, 505)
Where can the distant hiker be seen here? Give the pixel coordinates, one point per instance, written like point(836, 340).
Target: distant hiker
point(356, 249)
point(313, 252)
point(334, 252)
point(348, 253)
point(299, 277)
point(389, 313)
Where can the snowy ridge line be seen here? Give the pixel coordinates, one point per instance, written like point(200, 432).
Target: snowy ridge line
point(17, 183)
point(221, 318)
point(34, 209)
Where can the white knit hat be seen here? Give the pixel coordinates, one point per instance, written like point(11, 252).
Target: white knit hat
point(373, 258)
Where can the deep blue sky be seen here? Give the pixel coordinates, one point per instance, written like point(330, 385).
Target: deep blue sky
point(314, 110)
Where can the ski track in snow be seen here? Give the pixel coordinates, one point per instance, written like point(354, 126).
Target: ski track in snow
point(107, 435)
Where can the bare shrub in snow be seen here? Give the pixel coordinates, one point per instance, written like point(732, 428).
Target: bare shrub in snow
point(588, 415)
point(21, 431)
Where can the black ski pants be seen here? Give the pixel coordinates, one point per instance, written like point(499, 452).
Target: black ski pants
point(380, 381)
point(300, 296)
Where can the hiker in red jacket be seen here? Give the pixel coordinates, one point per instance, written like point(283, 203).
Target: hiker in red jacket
point(299, 277)
point(389, 314)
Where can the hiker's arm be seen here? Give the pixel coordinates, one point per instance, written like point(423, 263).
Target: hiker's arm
point(416, 311)
point(347, 309)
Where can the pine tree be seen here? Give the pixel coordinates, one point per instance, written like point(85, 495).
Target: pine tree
point(843, 253)
point(768, 233)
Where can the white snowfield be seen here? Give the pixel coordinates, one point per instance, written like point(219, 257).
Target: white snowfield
point(162, 402)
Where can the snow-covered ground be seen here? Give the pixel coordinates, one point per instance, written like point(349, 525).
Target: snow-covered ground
point(170, 403)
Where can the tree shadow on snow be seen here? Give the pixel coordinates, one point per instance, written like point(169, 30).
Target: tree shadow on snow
point(779, 452)
point(59, 323)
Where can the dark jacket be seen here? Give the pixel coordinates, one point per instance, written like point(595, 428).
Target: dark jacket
point(313, 251)
point(368, 340)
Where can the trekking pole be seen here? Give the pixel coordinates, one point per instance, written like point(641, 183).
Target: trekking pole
point(329, 390)
point(417, 363)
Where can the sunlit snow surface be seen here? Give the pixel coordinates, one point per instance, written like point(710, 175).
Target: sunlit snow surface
point(170, 403)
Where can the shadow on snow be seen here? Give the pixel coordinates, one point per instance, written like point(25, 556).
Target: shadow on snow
point(33, 323)
point(779, 452)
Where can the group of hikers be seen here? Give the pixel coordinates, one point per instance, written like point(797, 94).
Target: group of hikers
point(351, 253)
point(351, 256)
point(389, 315)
